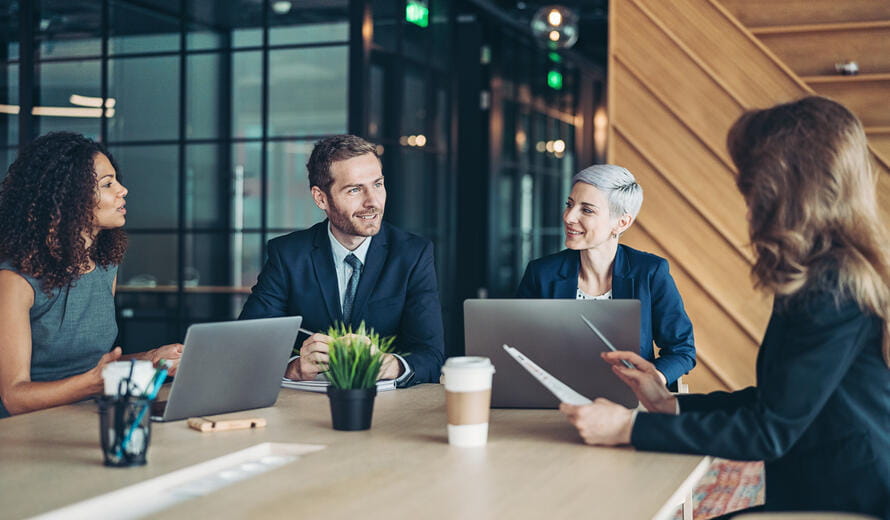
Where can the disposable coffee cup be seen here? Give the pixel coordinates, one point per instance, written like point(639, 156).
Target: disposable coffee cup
point(127, 377)
point(467, 399)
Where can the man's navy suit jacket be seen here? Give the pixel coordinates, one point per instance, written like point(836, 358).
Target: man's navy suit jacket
point(819, 415)
point(397, 293)
point(635, 275)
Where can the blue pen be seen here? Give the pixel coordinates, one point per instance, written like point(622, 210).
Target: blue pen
point(154, 387)
point(602, 338)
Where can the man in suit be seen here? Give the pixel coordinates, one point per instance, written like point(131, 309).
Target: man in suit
point(353, 267)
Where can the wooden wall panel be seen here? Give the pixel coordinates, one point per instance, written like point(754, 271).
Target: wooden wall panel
point(870, 100)
point(680, 73)
point(880, 143)
point(706, 183)
point(726, 354)
point(763, 13)
point(815, 52)
point(695, 245)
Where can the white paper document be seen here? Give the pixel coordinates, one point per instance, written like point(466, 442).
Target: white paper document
point(320, 384)
point(562, 391)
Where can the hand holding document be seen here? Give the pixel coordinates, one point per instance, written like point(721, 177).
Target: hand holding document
point(562, 391)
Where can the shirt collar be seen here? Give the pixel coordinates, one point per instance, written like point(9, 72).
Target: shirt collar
point(340, 252)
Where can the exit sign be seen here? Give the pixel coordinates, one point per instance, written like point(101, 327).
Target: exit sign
point(418, 13)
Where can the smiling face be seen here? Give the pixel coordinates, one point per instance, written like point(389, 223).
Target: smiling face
point(588, 223)
point(111, 209)
point(356, 199)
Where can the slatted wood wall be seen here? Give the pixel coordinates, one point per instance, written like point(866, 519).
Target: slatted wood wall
point(680, 73)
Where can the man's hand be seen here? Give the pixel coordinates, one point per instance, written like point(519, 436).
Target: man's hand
point(391, 368)
point(601, 422)
point(313, 358)
point(645, 380)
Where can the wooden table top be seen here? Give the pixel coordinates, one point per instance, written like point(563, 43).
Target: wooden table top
point(534, 465)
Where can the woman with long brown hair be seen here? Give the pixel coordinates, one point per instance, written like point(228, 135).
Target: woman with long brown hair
point(820, 414)
point(62, 207)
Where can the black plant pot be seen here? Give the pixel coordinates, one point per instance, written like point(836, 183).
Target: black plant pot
point(352, 409)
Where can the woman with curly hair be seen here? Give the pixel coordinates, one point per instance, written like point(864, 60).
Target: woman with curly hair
point(62, 207)
point(820, 414)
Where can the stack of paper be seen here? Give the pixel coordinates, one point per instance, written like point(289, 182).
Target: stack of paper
point(321, 383)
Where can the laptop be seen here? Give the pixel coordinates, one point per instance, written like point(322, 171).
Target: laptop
point(229, 366)
point(551, 333)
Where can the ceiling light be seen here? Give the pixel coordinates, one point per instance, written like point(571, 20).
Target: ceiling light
point(556, 25)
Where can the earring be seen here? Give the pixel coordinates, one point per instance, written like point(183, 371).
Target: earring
point(613, 235)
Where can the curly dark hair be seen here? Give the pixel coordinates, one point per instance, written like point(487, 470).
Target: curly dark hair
point(47, 202)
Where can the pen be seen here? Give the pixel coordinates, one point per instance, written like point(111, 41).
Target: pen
point(602, 338)
point(152, 391)
point(304, 331)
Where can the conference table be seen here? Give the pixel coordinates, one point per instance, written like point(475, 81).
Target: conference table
point(534, 465)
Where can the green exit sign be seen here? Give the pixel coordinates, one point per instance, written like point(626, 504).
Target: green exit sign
point(418, 13)
point(554, 80)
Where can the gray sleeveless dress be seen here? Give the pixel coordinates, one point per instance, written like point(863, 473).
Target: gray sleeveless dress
point(72, 327)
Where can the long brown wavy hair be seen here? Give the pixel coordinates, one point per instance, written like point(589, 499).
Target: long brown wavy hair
point(47, 203)
point(805, 172)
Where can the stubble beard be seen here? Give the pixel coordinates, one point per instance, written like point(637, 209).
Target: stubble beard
point(344, 224)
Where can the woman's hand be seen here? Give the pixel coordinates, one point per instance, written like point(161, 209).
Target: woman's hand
point(601, 422)
point(171, 353)
point(645, 381)
point(94, 379)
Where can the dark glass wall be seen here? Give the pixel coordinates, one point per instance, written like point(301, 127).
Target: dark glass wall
point(212, 107)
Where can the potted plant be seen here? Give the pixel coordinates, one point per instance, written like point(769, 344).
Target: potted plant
point(354, 362)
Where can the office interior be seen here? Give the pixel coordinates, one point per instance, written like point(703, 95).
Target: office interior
point(212, 107)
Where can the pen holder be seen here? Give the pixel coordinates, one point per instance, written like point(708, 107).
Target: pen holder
point(125, 429)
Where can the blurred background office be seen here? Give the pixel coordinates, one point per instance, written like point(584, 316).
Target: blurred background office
point(211, 108)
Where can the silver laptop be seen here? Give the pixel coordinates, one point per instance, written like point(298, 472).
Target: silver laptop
point(551, 333)
point(229, 366)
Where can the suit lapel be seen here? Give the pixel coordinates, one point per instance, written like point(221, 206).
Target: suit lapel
point(323, 263)
point(623, 287)
point(565, 287)
point(374, 260)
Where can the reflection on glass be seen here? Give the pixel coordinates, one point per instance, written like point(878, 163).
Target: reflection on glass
point(376, 102)
point(150, 261)
point(290, 201)
point(411, 192)
point(387, 16)
point(247, 188)
point(204, 75)
point(66, 29)
point(413, 102)
point(150, 175)
point(7, 156)
point(308, 22)
point(222, 259)
point(57, 83)
point(307, 91)
point(135, 28)
point(206, 183)
point(219, 24)
point(146, 92)
point(9, 95)
point(247, 84)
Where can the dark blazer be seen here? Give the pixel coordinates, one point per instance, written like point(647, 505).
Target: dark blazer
point(397, 292)
point(635, 275)
point(819, 415)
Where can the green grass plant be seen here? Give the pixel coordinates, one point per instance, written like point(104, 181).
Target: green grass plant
point(355, 356)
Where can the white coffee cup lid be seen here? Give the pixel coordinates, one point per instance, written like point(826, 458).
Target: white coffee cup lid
point(468, 362)
point(143, 371)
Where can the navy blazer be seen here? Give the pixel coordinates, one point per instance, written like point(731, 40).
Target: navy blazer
point(397, 293)
point(635, 275)
point(819, 415)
